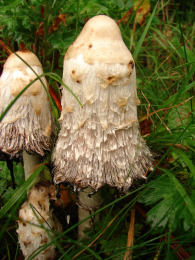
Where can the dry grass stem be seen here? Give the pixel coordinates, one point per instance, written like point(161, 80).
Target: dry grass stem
point(128, 254)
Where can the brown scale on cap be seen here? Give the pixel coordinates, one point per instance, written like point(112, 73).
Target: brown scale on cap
point(100, 142)
point(27, 125)
point(130, 67)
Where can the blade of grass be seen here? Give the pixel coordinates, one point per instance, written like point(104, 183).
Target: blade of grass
point(21, 191)
point(16, 98)
point(128, 254)
point(8, 251)
point(177, 139)
point(53, 107)
point(57, 78)
point(141, 40)
point(9, 218)
point(48, 230)
point(186, 58)
point(101, 232)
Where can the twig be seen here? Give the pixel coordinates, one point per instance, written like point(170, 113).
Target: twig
point(126, 16)
point(157, 69)
point(149, 105)
point(128, 254)
point(164, 109)
point(5, 47)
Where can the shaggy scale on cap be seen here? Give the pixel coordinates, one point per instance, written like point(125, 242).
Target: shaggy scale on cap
point(100, 143)
point(36, 222)
point(27, 125)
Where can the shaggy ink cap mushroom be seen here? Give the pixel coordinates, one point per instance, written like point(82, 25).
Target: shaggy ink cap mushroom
point(37, 222)
point(27, 125)
point(100, 142)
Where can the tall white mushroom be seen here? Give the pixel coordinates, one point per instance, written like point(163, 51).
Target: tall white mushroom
point(27, 127)
point(100, 142)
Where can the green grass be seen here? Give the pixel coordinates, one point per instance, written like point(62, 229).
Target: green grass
point(165, 205)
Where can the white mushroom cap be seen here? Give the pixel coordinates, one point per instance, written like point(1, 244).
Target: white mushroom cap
point(100, 40)
point(100, 143)
point(27, 125)
point(14, 62)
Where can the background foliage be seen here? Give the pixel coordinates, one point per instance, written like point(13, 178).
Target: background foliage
point(160, 34)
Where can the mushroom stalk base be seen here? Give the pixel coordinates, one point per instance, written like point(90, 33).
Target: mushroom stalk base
point(89, 202)
point(30, 161)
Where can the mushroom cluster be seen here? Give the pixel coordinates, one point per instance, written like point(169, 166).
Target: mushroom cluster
point(100, 142)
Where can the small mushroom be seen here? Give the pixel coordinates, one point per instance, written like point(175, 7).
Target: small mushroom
point(37, 223)
point(27, 125)
point(100, 142)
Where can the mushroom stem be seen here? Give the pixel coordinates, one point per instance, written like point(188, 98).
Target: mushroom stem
point(30, 161)
point(89, 202)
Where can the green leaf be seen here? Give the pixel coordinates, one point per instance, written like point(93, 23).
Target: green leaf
point(169, 200)
point(182, 192)
point(183, 156)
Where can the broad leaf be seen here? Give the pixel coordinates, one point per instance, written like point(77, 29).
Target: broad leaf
point(169, 200)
